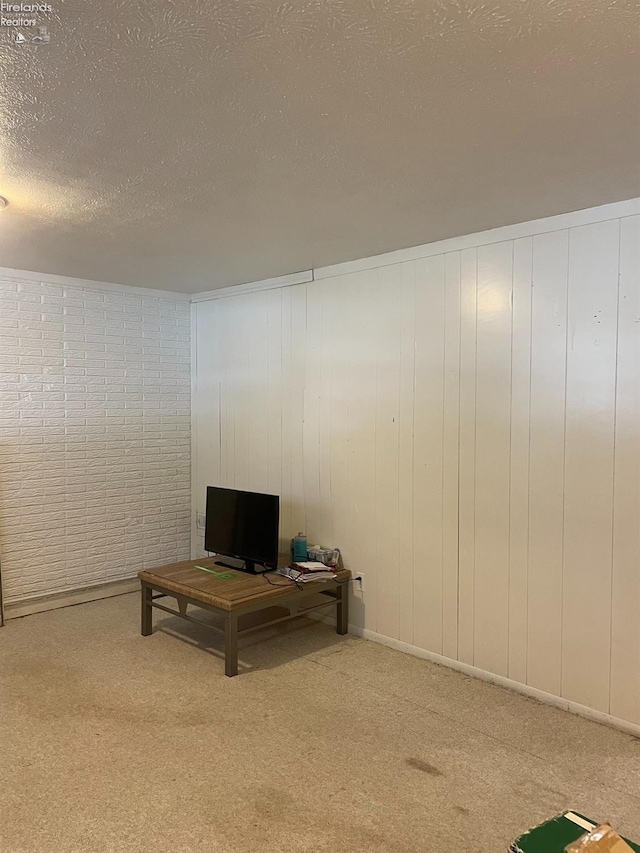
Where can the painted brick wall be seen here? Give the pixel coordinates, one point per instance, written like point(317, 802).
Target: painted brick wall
point(94, 435)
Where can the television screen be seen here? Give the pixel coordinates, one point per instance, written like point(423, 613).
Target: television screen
point(242, 525)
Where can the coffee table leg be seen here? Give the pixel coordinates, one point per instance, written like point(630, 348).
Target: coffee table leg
point(146, 610)
point(342, 610)
point(231, 645)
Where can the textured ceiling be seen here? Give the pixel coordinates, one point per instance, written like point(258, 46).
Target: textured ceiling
point(190, 144)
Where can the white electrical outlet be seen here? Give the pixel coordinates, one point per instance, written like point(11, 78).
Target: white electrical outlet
point(200, 520)
point(359, 582)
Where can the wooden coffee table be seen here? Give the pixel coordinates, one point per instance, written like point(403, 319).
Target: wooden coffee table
point(233, 595)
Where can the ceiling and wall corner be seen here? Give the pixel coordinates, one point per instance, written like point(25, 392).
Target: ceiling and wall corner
point(194, 144)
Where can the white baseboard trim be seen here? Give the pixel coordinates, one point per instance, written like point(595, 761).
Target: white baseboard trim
point(27, 607)
point(501, 681)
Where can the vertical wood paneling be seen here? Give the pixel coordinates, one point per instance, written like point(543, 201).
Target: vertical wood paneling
point(546, 459)
point(387, 435)
point(227, 407)
point(197, 535)
point(450, 444)
point(406, 553)
point(625, 627)
point(362, 436)
point(256, 398)
point(217, 371)
point(338, 292)
point(493, 401)
point(450, 424)
point(241, 345)
point(352, 554)
point(273, 413)
point(298, 335)
point(467, 456)
point(286, 524)
point(519, 461)
point(328, 313)
point(311, 418)
point(588, 482)
point(427, 453)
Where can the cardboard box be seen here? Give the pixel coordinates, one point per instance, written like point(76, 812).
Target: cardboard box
point(603, 839)
point(554, 835)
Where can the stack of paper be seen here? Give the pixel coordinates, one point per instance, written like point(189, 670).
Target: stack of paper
point(298, 576)
point(310, 566)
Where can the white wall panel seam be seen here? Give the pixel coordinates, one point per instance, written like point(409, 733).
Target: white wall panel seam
point(475, 467)
point(564, 454)
point(466, 453)
point(374, 533)
point(613, 478)
point(194, 427)
point(510, 445)
point(409, 267)
point(526, 660)
point(442, 444)
point(459, 322)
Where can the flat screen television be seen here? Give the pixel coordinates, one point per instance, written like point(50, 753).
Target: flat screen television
point(243, 525)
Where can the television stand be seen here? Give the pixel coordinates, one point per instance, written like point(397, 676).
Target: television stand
point(236, 600)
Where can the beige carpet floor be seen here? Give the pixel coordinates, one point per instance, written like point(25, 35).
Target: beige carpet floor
point(115, 742)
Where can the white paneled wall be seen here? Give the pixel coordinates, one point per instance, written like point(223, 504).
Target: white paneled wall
point(94, 434)
point(465, 426)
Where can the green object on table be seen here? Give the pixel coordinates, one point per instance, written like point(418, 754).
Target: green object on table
point(554, 835)
point(222, 576)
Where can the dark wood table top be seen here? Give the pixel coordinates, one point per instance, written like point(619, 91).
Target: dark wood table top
point(227, 594)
